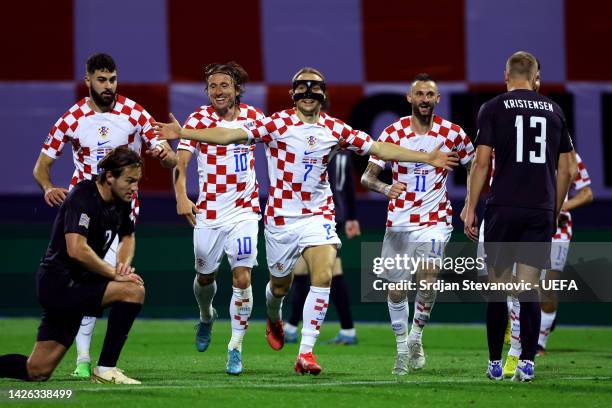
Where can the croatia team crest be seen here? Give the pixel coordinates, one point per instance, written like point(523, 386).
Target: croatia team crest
point(103, 131)
point(311, 141)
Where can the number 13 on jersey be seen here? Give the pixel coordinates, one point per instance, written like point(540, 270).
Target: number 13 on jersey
point(534, 122)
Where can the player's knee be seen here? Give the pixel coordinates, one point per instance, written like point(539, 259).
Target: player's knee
point(500, 296)
point(428, 295)
point(322, 281)
point(38, 371)
point(242, 282)
point(397, 296)
point(206, 279)
point(134, 293)
point(548, 307)
point(279, 289)
point(241, 277)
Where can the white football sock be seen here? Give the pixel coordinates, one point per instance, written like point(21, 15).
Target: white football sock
point(423, 303)
point(398, 312)
point(274, 305)
point(545, 326)
point(313, 316)
point(204, 296)
point(240, 310)
point(515, 328)
point(83, 339)
point(289, 328)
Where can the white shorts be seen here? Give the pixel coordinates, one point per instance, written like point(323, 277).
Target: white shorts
point(238, 241)
point(558, 254)
point(284, 245)
point(480, 252)
point(427, 244)
point(111, 254)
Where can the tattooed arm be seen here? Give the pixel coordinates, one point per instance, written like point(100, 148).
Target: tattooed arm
point(370, 180)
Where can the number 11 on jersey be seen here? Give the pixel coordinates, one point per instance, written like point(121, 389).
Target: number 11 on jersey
point(421, 183)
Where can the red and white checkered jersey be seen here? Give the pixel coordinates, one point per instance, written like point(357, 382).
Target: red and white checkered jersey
point(582, 180)
point(228, 186)
point(94, 134)
point(425, 201)
point(298, 154)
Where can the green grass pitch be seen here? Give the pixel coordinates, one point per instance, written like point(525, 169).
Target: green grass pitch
point(577, 371)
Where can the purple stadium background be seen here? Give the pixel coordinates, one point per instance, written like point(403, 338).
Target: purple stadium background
point(366, 49)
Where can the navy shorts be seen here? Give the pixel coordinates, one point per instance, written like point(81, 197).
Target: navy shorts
point(516, 234)
point(64, 303)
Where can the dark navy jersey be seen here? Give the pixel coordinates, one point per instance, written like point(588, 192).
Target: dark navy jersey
point(84, 212)
point(528, 131)
point(342, 185)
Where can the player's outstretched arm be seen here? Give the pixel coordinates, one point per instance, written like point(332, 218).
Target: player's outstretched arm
point(369, 180)
point(216, 135)
point(478, 177)
point(393, 152)
point(184, 206)
point(54, 196)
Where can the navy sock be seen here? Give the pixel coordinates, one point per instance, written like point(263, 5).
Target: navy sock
point(14, 366)
point(340, 297)
point(497, 320)
point(299, 292)
point(530, 323)
point(120, 320)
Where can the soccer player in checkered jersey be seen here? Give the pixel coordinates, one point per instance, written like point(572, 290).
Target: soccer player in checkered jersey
point(299, 217)
point(558, 257)
point(420, 214)
point(534, 160)
point(560, 247)
point(225, 218)
point(94, 126)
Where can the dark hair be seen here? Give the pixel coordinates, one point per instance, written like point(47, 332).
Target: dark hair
point(118, 159)
point(102, 62)
point(522, 64)
point(234, 70)
point(422, 77)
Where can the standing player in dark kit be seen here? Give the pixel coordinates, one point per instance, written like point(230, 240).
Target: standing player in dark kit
point(74, 280)
point(533, 167)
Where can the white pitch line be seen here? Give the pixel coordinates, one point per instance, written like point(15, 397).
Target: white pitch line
point(104, 388)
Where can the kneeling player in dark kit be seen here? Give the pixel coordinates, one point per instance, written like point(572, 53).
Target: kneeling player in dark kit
point(73, 280)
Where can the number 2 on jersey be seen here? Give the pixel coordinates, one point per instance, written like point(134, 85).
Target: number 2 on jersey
point(539, 157)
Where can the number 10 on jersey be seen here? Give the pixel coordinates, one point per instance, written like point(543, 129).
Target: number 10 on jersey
point(240, 160)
